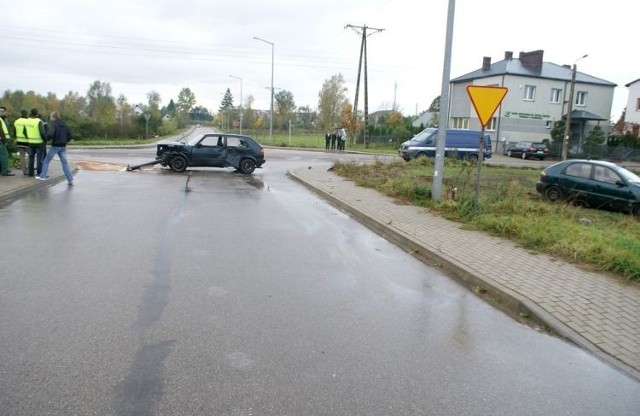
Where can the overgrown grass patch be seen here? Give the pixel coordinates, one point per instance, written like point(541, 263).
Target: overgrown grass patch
point(509, 207)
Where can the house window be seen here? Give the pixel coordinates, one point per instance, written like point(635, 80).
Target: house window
point(549, 123)
point(638, 105)
point(581, 98)
point(555, 95)
point(493, 124)
point(460, 123)
point(529, 92)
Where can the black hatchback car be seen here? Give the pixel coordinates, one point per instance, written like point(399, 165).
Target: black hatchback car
point(217, 150)
point(527, 150)
point(591, 183)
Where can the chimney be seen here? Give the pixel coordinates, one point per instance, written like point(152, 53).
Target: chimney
point(532, 59)
point(486, 63)
point(508, 55)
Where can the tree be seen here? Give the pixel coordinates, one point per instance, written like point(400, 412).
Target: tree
point(285, 106)
point(101, 104)
point(435, 105)
point(227, 101)
point(594, 138)
point(332, 98)
point(249, 116)
point(186, 100)
point(154, 100)
point(306, 117)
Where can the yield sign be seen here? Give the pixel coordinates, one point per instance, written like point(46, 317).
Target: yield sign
point(486, 100)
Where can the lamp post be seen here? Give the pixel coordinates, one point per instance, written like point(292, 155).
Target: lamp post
point(233, 76)
point(271, 111)
point(567, 127)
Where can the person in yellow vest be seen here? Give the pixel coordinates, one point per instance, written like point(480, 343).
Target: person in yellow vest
point(4, 142)
point(20, 127)
point(35, 138)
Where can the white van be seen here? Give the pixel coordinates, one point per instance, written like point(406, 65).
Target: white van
point(459, 144)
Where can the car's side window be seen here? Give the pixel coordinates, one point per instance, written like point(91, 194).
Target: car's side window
point(581, 170)
point(604, 174)
point(209, 141)
point(234, 142)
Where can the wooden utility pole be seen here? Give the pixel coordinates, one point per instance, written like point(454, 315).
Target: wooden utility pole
point(362, 30)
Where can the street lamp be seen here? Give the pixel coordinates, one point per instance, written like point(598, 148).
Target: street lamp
point(271, 114)
point(567, 127)
point(232, 76)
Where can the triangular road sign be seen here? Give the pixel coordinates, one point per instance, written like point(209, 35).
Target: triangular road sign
point(486, 100)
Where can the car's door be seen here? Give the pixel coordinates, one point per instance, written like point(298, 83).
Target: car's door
point(576, 181)
point(210, 151)
point(610, 190)
point(237, 148)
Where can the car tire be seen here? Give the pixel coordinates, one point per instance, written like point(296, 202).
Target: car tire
point(247, 166)
point(178, 163)
point(472, 159)
point(635, 210)
point(509, 153)
point(524, 156)
point(553, 194)
point(421, 154)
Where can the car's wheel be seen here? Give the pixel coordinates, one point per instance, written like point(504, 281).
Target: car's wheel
point(524, 155)
point(635, 210)
point(247, 166)
point(553, 194)
point(541, 158)
point(472, 158)
point(178, 163)
point(509, 153)
point(421, 154)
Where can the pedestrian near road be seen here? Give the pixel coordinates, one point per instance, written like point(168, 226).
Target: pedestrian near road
point(22, 142)
point(4, 142)
point(327, 141)
point(334, 137)
point(342, 139)
point(59, 135)
point(35, 137)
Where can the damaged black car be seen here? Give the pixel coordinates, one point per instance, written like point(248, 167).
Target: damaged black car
point(216, 150)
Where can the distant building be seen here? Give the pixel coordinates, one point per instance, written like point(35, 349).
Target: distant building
point(632, 113)
point(537, 97)
point(424, 119)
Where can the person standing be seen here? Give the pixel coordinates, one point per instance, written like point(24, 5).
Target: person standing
point(334, 137)
point(4, 143)
point(342, 139)
point(35, 137)
point(327, 141)
point(22, 142)
point(59, 134)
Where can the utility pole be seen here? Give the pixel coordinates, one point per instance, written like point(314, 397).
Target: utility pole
point(362, 30)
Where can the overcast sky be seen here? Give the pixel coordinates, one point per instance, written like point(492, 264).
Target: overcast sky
point(140, 46)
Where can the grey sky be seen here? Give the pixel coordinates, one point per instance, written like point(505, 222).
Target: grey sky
point(140, 46)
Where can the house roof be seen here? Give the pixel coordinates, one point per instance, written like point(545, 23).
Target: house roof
point(585, 115)
point(547, 70)
point(632, 82)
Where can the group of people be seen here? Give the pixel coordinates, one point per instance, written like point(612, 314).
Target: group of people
point(335, 139)
point(31, 135)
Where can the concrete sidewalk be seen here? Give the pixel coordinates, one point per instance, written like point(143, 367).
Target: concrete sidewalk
point(12, 187)
point(597, 312)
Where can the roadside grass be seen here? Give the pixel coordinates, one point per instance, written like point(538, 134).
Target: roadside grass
point(509, 207)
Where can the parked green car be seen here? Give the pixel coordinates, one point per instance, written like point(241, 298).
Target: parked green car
point(593, 184)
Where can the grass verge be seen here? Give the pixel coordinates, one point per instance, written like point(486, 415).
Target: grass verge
point(509, 207)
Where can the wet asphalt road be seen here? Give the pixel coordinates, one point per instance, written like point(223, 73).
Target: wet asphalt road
point(137, 293)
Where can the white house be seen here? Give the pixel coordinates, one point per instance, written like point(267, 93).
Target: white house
point(537, 97)
point(632, 113)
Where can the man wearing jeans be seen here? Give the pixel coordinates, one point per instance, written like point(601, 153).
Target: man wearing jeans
point(59, 135)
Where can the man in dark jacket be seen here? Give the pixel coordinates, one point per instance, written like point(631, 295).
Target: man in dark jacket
point(59, 135)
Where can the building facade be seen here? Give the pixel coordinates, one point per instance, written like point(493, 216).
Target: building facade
point(632, 113)
point(537, 97)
